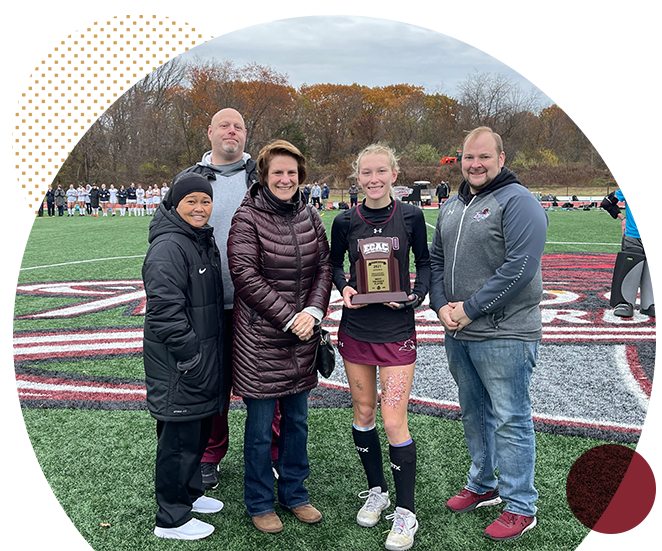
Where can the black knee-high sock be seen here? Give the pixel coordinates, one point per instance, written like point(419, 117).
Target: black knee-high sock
point(370, 452)
point(403, 467)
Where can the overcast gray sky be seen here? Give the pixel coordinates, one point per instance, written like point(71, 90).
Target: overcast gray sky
point(564, 56)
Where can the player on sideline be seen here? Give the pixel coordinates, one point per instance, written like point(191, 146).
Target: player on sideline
point(636, 264)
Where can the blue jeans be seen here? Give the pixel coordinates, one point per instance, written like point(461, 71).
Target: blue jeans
point(293, 465)
point(493, 379)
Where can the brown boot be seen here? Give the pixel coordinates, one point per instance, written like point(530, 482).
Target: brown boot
point(269, 523)
point(307, 514)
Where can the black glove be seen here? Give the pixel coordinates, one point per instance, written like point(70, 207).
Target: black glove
point(413, 303)
point(610, 204)
point(409, 304)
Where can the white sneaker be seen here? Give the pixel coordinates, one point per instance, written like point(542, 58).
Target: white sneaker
point(206, 504)
point(192, 530)
point(372, 509)
point(405, 525)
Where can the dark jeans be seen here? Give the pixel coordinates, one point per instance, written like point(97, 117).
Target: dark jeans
point(60, 210)
point(51, 209)
point(293, 465)
point(178, 481)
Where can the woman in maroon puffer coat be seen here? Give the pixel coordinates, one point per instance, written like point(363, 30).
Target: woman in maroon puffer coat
point(278, 256)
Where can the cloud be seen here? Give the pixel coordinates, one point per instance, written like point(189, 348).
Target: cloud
point(562, 55)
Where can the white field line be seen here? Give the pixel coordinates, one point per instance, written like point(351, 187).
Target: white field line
point(83, 337)
point(554, 242)
point(626, 374)
point(82, 347)
point(142, 255)
point(580, 243)
point(580, 421)
point(82, 262)
point(29, 385)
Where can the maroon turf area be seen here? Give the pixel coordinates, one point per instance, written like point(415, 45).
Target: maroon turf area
point(594, 479)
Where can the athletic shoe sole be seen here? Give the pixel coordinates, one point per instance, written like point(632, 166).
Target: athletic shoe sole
point(477, 504)
point(407, 546)
point(369, 524)
point(516, 536)
point(204, 530)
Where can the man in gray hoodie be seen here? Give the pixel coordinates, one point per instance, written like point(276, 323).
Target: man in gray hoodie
point(230, 172)
point(486, 289)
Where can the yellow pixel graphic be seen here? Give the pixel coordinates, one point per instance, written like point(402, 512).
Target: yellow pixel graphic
point(78, 81)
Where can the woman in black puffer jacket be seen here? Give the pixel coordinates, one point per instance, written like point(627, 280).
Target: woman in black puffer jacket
point(278, 256)
point(182, 351)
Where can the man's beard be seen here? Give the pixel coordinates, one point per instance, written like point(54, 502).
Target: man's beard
point(475, 189)
point(230, 148)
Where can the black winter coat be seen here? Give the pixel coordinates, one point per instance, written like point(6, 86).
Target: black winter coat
point(183, 336)
point(94, 198)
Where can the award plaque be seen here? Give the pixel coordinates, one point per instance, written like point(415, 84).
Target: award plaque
point(377, 273)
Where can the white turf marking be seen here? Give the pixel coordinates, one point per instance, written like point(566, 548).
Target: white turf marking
point(626, 374)
point(82, 262)
point(579, 421)
point(556, 242)
point(28, 385)
point(580, 243)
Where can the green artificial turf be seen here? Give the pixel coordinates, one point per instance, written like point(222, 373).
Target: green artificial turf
point(115, 238)
point(100, 465)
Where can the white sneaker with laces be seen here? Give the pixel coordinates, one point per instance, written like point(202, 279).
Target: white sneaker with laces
point(376, 502)
point(206, 504)
point(194, 529)
point(405, 525)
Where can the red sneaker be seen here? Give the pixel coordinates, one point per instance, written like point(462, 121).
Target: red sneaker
point(509, 526)
point(467, 500)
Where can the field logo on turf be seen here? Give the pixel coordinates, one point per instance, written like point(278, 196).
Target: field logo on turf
point(100, 295)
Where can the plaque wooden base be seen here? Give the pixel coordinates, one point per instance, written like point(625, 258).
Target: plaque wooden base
point(375, 298)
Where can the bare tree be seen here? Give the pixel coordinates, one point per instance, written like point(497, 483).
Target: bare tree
point(494, 100)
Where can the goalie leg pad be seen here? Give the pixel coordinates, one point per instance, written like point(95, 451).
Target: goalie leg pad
point(627, 278)
point(649, 282)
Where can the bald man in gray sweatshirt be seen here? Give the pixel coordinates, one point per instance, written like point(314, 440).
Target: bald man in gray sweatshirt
point(230, 172)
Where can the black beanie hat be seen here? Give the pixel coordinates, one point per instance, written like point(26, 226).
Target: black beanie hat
point(185, 184)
